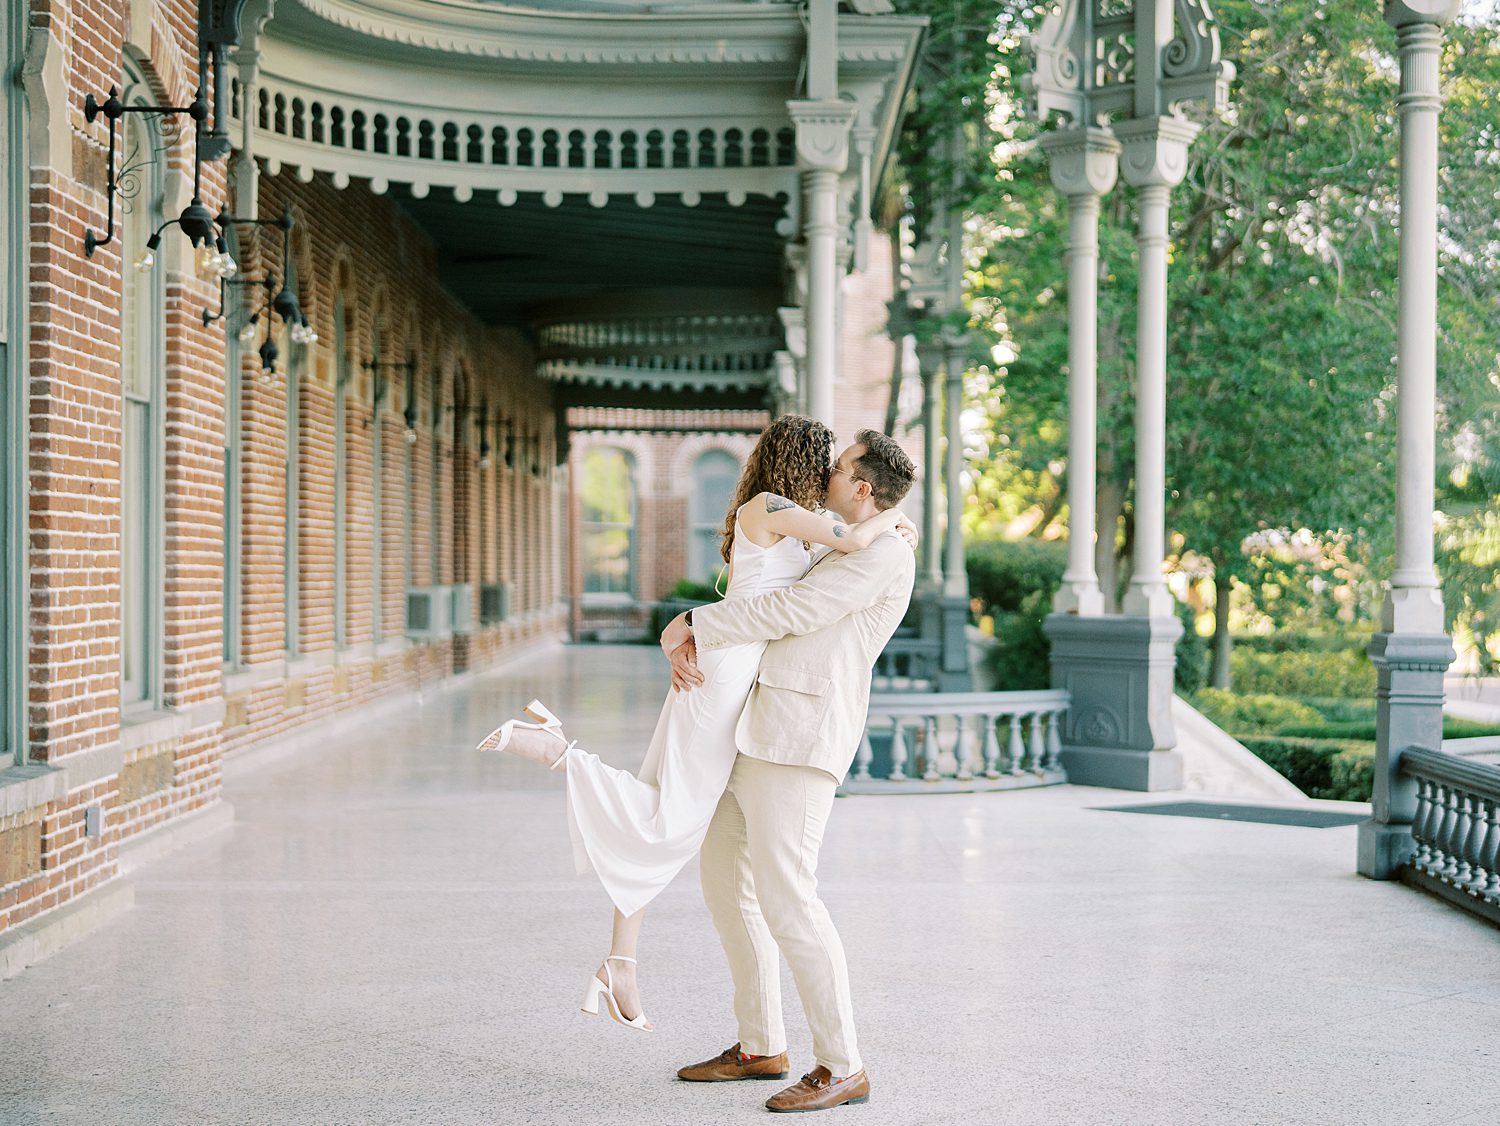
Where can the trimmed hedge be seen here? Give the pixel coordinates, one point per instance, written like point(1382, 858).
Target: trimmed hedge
point(1364, 730)
point(1263, 714)
point(1004, 576)
point(1346, 674)
point(1293, 641)
point(1335, 769)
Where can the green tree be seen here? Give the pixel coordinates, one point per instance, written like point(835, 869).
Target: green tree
point(1283, 283)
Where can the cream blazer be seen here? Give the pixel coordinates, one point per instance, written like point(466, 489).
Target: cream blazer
point(811, 696)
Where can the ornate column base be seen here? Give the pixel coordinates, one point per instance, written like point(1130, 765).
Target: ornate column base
point(1409, 672)
point(1118, 733)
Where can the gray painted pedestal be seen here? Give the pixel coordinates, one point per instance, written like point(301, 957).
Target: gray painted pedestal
point(1118, 732)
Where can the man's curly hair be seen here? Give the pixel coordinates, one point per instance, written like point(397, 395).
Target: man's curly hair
point(886, 467)
point(792, 460)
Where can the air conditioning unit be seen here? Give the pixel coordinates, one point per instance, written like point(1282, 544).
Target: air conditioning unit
point(461, 607)
point(494, 603)
point(428, 613)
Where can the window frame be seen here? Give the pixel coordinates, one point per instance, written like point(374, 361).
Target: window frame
point(146, 695)
point(14, 355)
point(699, 530)
point(587, 529)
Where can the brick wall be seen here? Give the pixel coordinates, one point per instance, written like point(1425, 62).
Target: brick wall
point(347, 243)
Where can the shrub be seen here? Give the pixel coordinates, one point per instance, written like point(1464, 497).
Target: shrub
point(1262, 714)
point(699, 594)
point(1339, 770)
point(1191, 671)
point(1343, 674)
point(1002, 576)
point(1020, 658)
point(1300, 641)
point(1364, 729)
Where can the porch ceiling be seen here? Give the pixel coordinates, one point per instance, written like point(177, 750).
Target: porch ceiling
point(507, 263)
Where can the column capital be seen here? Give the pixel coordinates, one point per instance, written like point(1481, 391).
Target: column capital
point(1404, 13)
point(1154, 149)
point(1082, 161)
point(822, 133)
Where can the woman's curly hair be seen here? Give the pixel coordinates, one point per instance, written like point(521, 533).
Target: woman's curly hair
point(792, 459)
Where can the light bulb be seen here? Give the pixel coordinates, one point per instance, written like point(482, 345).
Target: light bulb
point(207, 259)
point(411, 436)
point(227, 266)
point(145, 262)
point(247, 334)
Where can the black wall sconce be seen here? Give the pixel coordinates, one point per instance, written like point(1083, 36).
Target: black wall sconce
point(280, 301)
point(383, 388)
point(196, 221)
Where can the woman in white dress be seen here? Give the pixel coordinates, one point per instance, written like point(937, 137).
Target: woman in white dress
point(637, 832)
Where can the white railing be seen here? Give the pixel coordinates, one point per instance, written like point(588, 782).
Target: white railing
point(975, 740)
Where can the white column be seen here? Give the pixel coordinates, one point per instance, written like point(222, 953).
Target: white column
point(1414, 602)
point(956, 577)
point(1084, 164)
point(823, 153)
point(1155, 158)
point(930, 358)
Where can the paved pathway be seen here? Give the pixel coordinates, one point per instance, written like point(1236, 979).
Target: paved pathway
point(392, 934)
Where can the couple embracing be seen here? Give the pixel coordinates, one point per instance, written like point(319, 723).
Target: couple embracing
point(769, 695)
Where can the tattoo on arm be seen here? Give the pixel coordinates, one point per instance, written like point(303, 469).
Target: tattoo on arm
point(776, 503)
point(839, 531)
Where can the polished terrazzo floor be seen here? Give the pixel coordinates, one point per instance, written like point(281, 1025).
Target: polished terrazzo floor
point(391, 933)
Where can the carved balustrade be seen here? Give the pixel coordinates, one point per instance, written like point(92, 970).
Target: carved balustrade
point(960, 740)
point(1456, 829)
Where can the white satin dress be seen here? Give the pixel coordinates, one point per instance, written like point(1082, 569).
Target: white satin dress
point(637, 832)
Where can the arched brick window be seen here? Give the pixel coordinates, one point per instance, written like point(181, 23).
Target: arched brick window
point(608, 494)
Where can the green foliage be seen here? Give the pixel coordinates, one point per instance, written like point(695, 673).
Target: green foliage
point(1191, 670)
point(1283, 282)
point(687, 590)
point(1320, 768)
point(1453, 728)
point(1338, 674)
point(1020, 657)
point(1253, 714)
point(1289, 641)
point(1003, 576)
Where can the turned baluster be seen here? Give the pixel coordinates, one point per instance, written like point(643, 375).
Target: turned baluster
point(898, 750)
point(1013, 746)
point(1473, 841)
point(1421, 826)
point(1438, 830)
point(1037, 744)
point(930, 750)
point(1491, 854)
point(960, 751)
point(1452, 833)
point(1054, 741)
point(991, 749)
point(863, 757)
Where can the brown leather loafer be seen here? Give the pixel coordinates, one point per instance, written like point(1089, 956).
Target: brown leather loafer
point(728, 1066)
point(818, 1091)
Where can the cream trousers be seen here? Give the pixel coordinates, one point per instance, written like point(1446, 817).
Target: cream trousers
point(759, 869)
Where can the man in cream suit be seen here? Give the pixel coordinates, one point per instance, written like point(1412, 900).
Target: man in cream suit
point(797, 738)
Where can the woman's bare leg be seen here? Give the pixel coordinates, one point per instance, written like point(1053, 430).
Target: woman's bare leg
point(622, 942)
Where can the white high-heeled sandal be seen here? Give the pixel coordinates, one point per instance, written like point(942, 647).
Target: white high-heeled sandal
point(606, 989)
point(499, 739)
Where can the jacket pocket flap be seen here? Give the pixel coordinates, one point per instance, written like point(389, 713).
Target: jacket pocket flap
point(795, 680)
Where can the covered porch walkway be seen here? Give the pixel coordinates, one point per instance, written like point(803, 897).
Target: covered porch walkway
point(391, 933)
